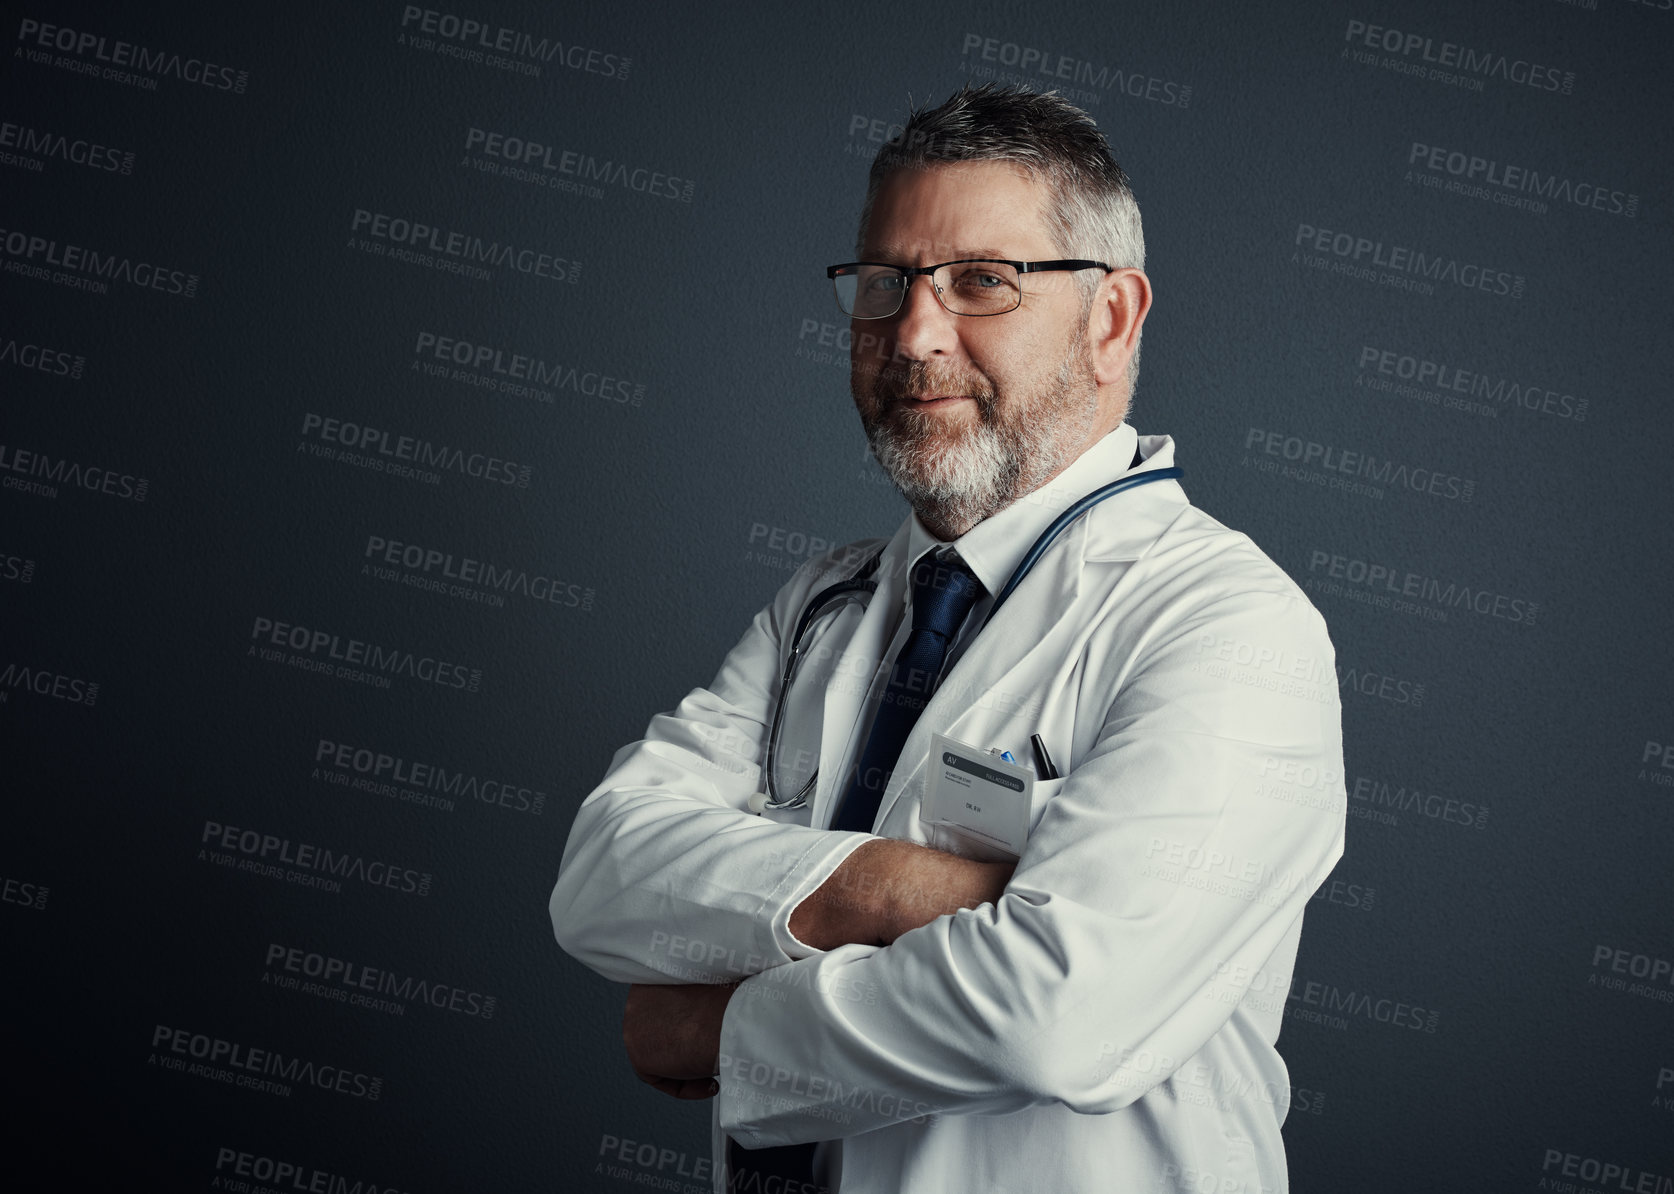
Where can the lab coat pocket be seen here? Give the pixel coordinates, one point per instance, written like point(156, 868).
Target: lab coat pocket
point(952, 840)
point(1044, 790)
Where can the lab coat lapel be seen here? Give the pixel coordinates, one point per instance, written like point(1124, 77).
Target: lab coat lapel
point(999, 676)
point(993, 677)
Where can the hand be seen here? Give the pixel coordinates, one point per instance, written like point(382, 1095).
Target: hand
point(673, 1036)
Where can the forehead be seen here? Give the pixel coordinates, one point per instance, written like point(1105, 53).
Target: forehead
point(959, 209)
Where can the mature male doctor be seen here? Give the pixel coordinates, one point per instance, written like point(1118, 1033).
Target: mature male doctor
point(1059, 968)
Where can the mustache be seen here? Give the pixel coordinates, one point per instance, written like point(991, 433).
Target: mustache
point(897, 383)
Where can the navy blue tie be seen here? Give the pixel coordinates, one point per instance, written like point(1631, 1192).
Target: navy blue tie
point(943, 593)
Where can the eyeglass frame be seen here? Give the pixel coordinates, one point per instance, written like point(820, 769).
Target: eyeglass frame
point(909, 272)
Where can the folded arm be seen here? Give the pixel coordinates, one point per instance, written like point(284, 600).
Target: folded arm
point(888, 887)
point(1162, 871)
point(885, 888)
point(668, 878)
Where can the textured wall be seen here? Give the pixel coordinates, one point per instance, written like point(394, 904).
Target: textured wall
point(401, 405)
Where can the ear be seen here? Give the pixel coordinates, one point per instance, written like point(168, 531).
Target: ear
point(1119, 308)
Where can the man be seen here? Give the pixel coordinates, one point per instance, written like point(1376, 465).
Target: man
point(928, 1014)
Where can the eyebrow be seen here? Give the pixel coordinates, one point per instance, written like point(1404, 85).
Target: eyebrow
point(959, 254)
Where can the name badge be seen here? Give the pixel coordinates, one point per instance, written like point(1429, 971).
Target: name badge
point(978, 794)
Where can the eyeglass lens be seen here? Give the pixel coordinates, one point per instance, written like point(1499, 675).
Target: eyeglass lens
point(964, 287)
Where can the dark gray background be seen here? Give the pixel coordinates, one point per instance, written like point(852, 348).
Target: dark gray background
point(665, 512)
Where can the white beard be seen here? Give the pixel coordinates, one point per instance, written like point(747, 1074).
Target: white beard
point(955, 479)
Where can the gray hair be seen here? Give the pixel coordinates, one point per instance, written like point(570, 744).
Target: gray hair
point(1090, 208)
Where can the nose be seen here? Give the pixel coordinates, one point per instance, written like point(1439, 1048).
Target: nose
point(923, 327)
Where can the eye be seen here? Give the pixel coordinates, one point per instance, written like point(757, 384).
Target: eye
point(883, 283)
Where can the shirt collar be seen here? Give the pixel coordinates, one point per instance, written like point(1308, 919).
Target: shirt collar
point(996, 545)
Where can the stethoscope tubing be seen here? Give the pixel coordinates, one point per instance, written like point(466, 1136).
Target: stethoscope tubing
point(862, 582)
point(1062, 522)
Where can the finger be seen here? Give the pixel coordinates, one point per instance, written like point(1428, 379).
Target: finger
point(682, 1088)
point(693, 1088)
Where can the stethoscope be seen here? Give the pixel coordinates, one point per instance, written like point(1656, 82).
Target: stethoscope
point(859, 589)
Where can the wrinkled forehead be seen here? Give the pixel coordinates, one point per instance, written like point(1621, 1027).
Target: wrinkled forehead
point(946, 211)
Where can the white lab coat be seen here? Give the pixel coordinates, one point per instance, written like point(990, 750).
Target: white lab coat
point(1109, 1025)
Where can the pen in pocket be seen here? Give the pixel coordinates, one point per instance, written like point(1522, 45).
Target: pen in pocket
point(1043, 761)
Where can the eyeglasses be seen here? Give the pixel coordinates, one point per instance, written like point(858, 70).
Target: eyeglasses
point(873, 290)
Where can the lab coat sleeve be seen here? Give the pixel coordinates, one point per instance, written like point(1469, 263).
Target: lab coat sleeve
point(667, 877)
point(1160, 877)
